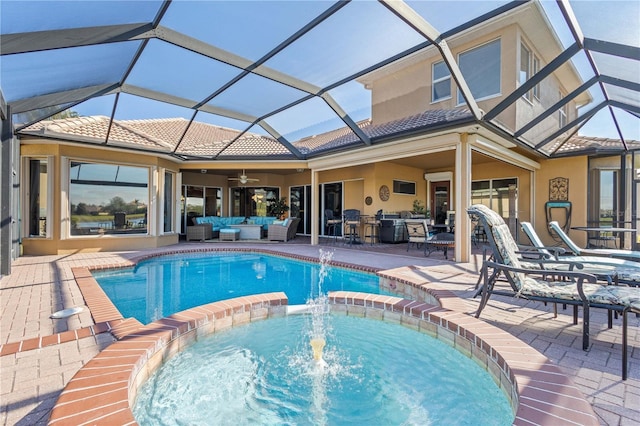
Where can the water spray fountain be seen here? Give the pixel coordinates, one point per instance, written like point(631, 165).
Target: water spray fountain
point(318, 344)
point(319, 307)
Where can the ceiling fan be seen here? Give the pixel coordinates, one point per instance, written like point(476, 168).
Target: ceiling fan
point(243, 179)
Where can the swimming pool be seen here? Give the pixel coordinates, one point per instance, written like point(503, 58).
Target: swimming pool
point(376, 373)
point(160, 286)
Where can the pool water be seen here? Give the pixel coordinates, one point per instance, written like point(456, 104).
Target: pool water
point(376, 374)
point(161, 286)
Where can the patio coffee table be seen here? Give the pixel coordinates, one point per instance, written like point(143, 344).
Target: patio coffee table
point(249, 232)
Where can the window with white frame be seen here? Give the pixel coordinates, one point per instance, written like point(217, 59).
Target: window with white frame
point(562, 113)
point(529, 66)
point(38, 197)
point(536, 68)
point(441, 82)
point(169, 201)
point(481, 70)
point(525, 68)
point(108, 198)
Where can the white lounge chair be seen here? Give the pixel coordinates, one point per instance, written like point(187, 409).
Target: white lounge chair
point(628, 272)
point(578, 251)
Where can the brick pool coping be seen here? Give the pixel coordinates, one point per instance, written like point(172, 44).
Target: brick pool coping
point(103, 391)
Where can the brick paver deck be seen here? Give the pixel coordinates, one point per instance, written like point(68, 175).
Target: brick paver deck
point(39, 356)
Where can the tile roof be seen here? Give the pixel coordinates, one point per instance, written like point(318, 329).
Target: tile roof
point(345, 137)
point(258, 146)
point(580, 143)
point(210, 141)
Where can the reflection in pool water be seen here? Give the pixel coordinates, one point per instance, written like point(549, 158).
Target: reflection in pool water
point(161, 286)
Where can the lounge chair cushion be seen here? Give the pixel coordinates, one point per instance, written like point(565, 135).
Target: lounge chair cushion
point(618, 295)
point(566, 290)
point(628, 271)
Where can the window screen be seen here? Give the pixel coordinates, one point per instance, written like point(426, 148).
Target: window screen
point(481, 70)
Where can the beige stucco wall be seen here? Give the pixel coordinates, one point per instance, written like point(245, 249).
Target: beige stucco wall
point(365, 181)
point(405, 91)
point(575, 169)
point(56, 243)
point(500, 170)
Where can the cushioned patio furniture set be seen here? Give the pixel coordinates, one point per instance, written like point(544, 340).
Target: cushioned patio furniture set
point(550, 283)
point(233, 228)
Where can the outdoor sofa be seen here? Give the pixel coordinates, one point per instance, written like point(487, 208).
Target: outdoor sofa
point(218, 222)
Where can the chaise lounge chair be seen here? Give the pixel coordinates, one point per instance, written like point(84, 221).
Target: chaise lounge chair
point(578, 251)
point(566, 287)
point(628, 272)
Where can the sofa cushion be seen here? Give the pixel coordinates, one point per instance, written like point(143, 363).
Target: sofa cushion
point(218, 222)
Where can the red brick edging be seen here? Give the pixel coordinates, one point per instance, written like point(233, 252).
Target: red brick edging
point(103, 391)
point(540, 393)
point(57, 338)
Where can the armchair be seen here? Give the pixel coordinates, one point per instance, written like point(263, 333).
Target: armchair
point(283, 232)
point(418, 232)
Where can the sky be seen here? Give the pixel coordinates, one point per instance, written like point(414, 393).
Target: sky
point(361, 34)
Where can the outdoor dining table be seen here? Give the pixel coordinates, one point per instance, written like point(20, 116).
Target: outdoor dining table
point(601, 231)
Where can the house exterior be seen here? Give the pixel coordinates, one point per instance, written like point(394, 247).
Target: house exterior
point(427, 146)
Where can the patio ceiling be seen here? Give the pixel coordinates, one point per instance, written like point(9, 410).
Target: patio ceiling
point(287, 71)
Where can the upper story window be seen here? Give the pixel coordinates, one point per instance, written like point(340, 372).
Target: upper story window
point(529, 66)
point(481, 70)
point(562, 113)
point(525, 68)
point(441, 84)
point(536, 68)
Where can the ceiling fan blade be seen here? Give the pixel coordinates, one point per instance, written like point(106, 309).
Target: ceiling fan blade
point(243, 178)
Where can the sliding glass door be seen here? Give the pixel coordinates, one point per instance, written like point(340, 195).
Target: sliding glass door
point(300, 207)
point(331, 196)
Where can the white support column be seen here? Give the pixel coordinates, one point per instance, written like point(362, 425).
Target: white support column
point(153, 211)
point(463, 199)
point(65, 214)
point(177, 193)
point(315, 210)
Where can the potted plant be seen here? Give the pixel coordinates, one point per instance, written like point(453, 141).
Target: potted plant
point(278, 207)
point(419, 209)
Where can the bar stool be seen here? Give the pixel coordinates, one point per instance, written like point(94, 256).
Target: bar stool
point(372, 228)
point(332, 224)
point(352, 225)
